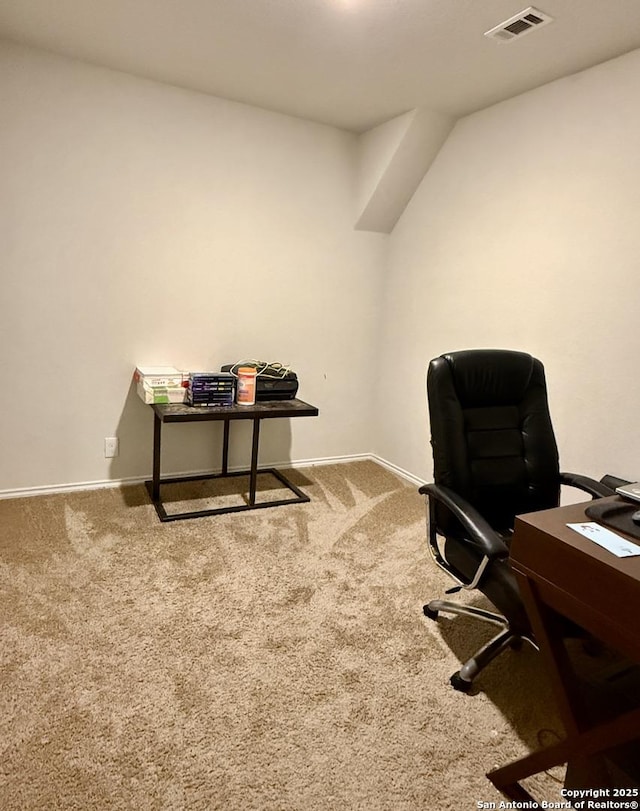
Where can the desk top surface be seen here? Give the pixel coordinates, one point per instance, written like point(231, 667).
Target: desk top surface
point(266, 409)
point(567, 542)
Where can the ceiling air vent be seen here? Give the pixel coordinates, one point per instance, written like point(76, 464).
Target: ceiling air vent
point(519, 25)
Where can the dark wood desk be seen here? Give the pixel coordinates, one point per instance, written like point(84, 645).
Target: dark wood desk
point(271, 409)
point(560, 572)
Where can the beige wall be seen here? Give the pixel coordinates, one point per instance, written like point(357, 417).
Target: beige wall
point(146, 224)
point(143, 224)
point(525, 234)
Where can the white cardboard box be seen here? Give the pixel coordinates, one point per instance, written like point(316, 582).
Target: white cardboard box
point(160, 394)
point(158, 376)
point(159, 384)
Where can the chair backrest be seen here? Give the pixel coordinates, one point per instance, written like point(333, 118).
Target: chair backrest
point(491, 433)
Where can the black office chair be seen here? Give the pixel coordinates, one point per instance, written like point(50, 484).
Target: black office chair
point(495, 457)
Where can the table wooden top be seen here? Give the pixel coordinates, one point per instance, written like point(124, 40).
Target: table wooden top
point(265, 409)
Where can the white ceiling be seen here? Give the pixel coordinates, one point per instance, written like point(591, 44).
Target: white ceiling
point(348, 63)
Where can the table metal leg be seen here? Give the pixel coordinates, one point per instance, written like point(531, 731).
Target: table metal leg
point(225, 448)
point(254, 462)
point(157, 432)
point(153, 485)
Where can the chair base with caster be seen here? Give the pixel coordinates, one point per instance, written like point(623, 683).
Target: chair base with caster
point(462, 680)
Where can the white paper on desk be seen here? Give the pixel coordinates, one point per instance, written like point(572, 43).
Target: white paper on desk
point(609, 540)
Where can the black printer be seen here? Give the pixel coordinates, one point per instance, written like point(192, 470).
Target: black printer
point(273, 381)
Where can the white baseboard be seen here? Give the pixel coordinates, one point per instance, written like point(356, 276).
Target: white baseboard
point(410, 477)
point(370, 457)
point(47, 490)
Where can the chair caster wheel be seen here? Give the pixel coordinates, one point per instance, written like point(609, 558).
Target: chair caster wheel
point(460, 684)
point(429, 612)
point(516, 643)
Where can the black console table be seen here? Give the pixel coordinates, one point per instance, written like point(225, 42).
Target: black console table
point(270, 409)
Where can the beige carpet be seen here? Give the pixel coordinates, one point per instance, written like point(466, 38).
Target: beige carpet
point(277, 659)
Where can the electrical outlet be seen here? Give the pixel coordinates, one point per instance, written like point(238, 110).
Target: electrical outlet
point(110, 447)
